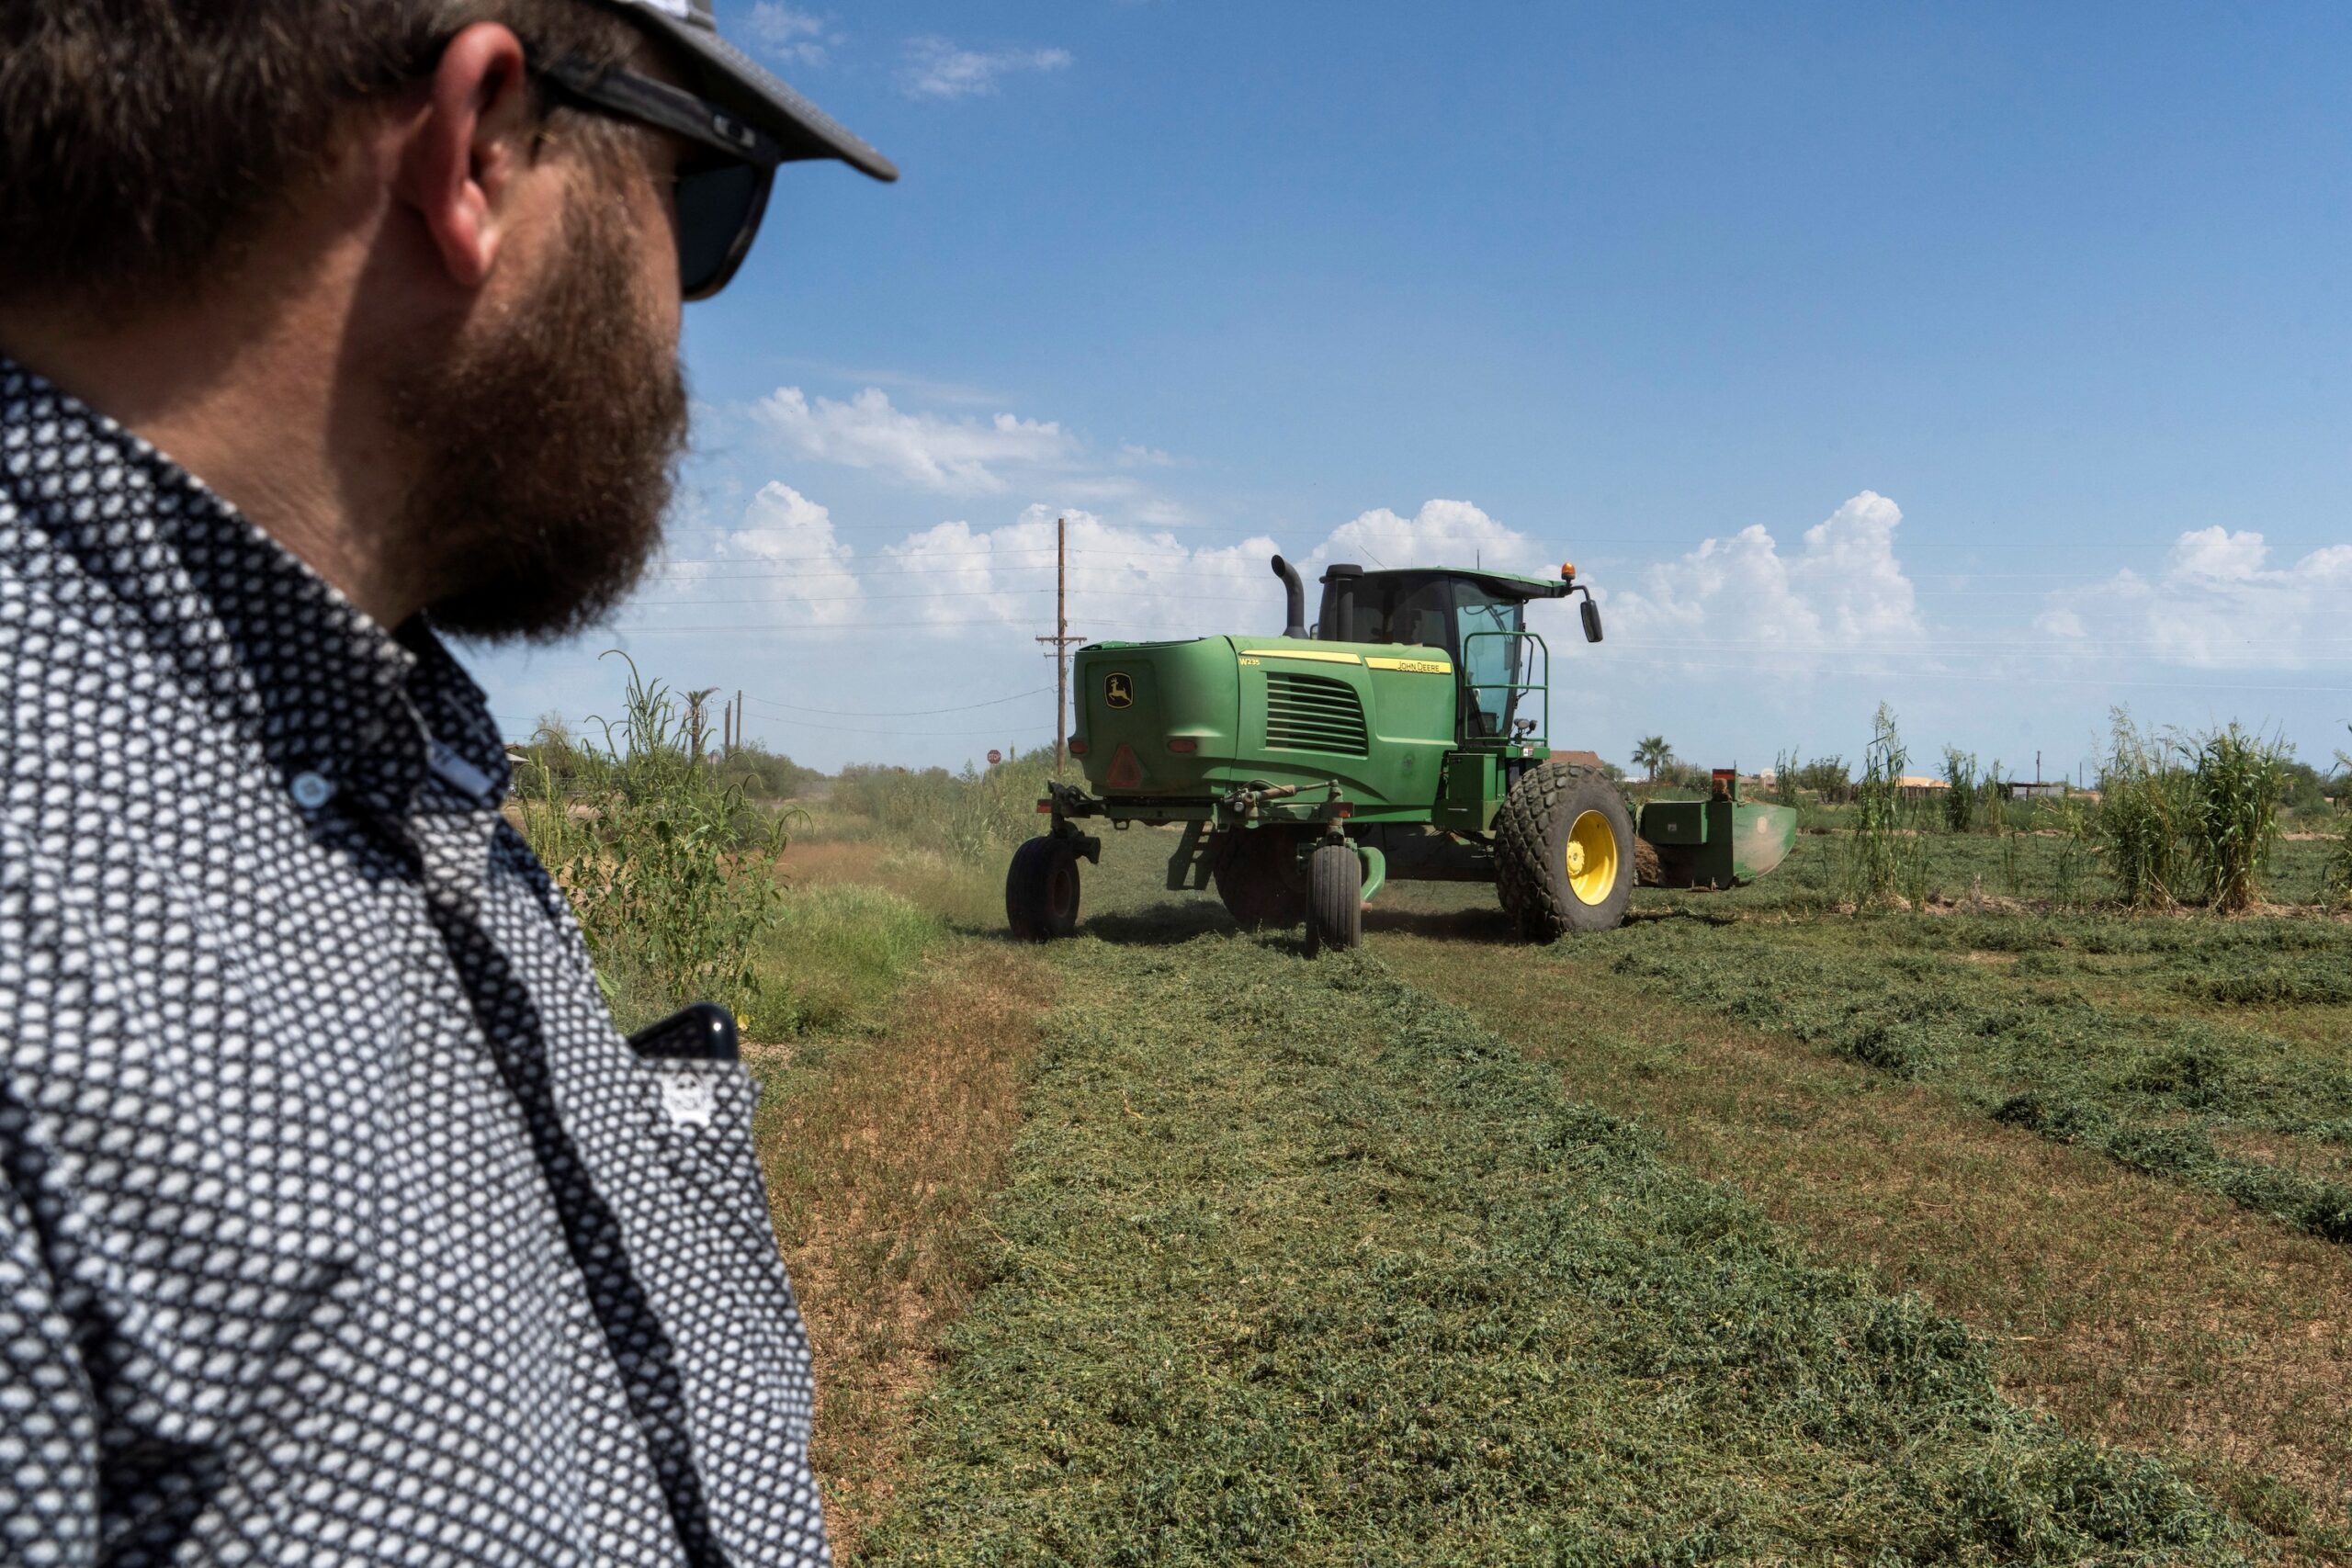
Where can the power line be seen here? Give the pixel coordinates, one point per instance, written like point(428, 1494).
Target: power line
point(950, 593)
point(2108, 648)
point(909, 713)
point(1910, 543)
point(863, 598)
point(852, 730)
point(857, 629)
point(916, 561)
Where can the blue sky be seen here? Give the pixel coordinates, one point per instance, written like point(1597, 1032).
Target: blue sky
point(1991, 361)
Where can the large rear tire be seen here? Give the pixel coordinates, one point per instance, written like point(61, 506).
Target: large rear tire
point(1334, 899)
point(1257, 876)
point(1041, 890)
point(1564, 852)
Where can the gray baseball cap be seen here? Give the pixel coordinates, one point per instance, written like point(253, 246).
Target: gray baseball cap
point(735, 81)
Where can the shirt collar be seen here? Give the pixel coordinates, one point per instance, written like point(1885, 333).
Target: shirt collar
point(255, 632)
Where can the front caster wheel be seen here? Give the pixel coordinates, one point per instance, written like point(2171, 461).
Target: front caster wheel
point(1041, 890)
point(1334, 899)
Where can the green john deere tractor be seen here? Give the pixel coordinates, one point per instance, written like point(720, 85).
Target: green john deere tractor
point(1401, 738)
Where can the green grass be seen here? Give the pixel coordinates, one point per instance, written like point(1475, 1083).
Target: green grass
point(2154, 1318)
point(2041, 868)
point(1298, 1266)
point(2082, 1028)
point(836, 954)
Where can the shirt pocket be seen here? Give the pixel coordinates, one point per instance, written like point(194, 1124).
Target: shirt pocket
point(728, 1295)
point(701, 1115)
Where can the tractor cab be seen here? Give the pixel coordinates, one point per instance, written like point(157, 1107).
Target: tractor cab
point(1479, 618)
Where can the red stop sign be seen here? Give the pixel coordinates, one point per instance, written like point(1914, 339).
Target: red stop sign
point(995, 756)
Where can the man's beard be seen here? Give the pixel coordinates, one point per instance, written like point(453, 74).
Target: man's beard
point(548, 444)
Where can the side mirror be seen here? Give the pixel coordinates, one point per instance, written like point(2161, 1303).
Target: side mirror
point(1591, 620)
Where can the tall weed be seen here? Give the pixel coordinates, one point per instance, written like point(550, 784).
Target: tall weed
point(2339, 854)
point(671, 872)
point(2340, 866)
point(1883, 854)
point(1960, 793)
point(2077, 834)
point(2235, 812)
point(2012, 863)
point(2143, 817)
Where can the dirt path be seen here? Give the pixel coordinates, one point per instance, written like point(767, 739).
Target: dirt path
point(2132, 1309)
point(878, 1159)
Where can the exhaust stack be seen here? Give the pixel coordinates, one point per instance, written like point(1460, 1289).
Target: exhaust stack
point(1295, 592)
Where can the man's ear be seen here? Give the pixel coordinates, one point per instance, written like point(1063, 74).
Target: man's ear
point(471, 138)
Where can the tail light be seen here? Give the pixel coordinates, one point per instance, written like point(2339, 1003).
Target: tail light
point(1184, 744)
point(1126, 769)
point(1076, 745)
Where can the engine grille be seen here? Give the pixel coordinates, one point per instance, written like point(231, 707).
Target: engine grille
point(1313, 713)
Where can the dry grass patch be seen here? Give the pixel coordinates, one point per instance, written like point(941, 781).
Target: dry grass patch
point(2165, 1320)
point(2330, 1160)
point(878, 1156)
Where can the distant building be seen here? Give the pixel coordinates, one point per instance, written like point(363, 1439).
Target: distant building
point(2037, 789)
point(1918, 787)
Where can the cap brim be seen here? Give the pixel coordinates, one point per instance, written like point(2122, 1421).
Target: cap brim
point(736, 81)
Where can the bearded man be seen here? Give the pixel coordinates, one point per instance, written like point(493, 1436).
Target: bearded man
point(338, 1222)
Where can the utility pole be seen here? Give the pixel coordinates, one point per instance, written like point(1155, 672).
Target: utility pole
point(1061, 640)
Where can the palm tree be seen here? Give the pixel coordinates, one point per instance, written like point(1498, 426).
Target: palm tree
point(1654, 755)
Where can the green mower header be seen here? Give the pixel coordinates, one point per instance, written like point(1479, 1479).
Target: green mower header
point(1404, 735)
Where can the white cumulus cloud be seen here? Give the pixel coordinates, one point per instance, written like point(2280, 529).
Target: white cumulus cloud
point(2217, 603)
point(785, 32)
point(1443, 533)
point(1144, 583)
point(952, 455)
point(783, 553)
point(1124, 582)
point(1844, 587)
point(936, 68)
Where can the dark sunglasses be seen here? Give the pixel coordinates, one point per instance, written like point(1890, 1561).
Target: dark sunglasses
point(721, 197)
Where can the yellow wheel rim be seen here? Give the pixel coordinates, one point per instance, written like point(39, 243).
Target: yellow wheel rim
point(1592, 858)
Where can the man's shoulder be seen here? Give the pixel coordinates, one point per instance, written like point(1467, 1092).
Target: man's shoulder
point(98, 702)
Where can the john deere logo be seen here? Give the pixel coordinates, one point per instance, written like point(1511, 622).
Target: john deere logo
point(1119, 691)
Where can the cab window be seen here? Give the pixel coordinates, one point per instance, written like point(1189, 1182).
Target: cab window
point(1410, 613)
point(1490, 665)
